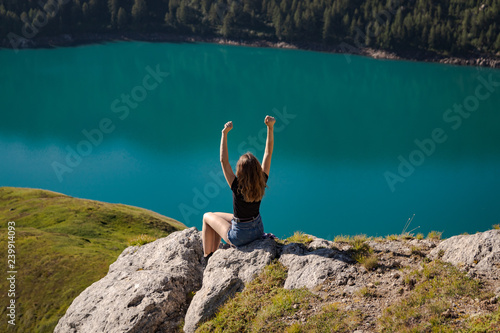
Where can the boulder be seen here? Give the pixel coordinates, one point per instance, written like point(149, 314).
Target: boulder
point(311, 268)
point(320, 243)
point(226, 273)
point(479, 253)
point(147, 289)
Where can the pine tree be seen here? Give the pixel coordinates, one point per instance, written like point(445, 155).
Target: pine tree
point(139, 11)
point(85, 12)
point(76, 13)
point(489, 35)
point(122, 18)
point(297, 18)
point(368, 32)
point(113, 10)
point(346, 20)
point(227, 25)
point(277, 22)
point(481, 41)
point(182, 13)
point(432, 38)
point(327, 26)
point(93, 10)
point(287, 27)
point(213, 17)
point(463, 39)
point(496, 46)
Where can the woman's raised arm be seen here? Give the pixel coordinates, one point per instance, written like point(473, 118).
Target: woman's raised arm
point(268, 153)
point(224, 156)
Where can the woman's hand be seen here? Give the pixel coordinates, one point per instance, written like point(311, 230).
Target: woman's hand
point(269, 121)
point(227, 127)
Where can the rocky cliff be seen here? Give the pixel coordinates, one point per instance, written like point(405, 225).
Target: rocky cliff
point(166, 286)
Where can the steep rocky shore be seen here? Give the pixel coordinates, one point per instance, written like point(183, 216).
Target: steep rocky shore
point(166, 286)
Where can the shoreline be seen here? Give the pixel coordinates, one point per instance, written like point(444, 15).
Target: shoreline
point(72, 40)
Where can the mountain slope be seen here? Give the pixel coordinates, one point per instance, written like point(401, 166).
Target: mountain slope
point(63, 245)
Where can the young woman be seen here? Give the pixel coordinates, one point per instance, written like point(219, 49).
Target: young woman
point(248, 186)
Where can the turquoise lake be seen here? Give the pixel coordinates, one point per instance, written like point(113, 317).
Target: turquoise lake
point(360, 145)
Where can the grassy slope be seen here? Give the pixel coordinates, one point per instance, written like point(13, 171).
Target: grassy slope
point(63, 245)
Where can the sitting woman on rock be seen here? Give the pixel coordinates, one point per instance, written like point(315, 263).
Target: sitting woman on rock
point(248, 186)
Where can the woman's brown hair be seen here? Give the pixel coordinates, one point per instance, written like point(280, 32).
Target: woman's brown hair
point(251, 181)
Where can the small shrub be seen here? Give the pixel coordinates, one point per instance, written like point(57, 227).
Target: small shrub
point(180, 327)
point(141, 240)
point(420, 236)
point(342, 239)
point(392, 237)
point(294, 328)
point(416, 251)
point(299, 237)
point(496, 226)
point(362, 253)
point(366, 292)
point(359, 244)
point(352, 240)
point(370, 262)
point(434, 235)
point(406, 236)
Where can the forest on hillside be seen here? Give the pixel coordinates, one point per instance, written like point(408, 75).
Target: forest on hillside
point(449, 27)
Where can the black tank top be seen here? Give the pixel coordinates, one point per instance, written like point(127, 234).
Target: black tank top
point(241, 208)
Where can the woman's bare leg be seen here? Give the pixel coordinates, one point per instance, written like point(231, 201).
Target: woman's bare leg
point(215, 226)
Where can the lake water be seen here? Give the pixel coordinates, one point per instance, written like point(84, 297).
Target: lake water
point(360, 145)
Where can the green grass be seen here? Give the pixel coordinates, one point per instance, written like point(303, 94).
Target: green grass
point(299, 237)
point(434, 235)
point(342, 239)
point(63, 245)
point(404, 236)
point(261, 305)
point(141, 240)
point(331, 319)
point(393, 237)
point(485, 323)
point(352, 240)
point(437, 286)
point(366, 292)
point(370, 261)
point(496, 226)
point(362, 253)
point(415, 250)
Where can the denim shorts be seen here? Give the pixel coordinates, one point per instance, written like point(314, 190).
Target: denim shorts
point(242, 233)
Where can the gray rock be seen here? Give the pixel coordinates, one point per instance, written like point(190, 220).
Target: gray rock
point(226, 273)
point(423, 242)
point(309, 269)
point(481, 251)
point(319, 243)
point(147, 289)
point(396, 246)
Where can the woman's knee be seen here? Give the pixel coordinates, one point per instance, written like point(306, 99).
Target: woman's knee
point(207, 216)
